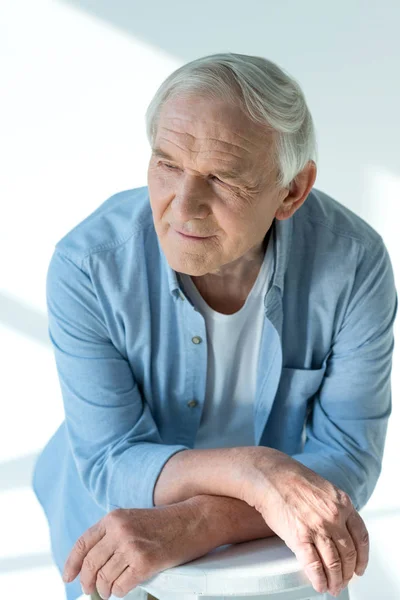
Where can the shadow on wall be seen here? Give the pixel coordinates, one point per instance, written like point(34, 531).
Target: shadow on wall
point(18, 472)
point(24, 319)
point(25, 562)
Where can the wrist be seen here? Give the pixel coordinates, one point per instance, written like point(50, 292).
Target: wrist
point(228, 521)
point(250, 472)
point(211, 521)
point(193, 519)
point(258, 469)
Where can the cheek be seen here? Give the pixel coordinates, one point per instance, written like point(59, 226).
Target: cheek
point(160, 178)
point(160, 194)
point(235, 229)
point(237, 213)
point(159, 207)
point(243, 224)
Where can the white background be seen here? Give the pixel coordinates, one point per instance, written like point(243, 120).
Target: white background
point(75, 81)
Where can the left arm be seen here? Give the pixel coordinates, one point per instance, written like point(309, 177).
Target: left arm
point(347, 429)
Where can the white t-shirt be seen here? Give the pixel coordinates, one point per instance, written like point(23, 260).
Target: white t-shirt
point(233, 345)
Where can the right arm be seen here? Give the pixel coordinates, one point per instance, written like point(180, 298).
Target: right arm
point(114, 440)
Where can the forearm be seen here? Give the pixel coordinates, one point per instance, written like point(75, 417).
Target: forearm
point(224, 520)
point(214, 471)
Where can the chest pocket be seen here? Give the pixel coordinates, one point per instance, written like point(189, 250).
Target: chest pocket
point(293, 403)
point(299, 384)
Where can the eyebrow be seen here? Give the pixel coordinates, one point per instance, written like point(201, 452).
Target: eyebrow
point(227, 174)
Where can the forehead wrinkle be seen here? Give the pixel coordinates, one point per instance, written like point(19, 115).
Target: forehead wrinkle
point(197, 138)
point(219, 124)
point(159, 151)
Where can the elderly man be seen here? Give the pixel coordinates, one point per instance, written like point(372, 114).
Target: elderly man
point(223, 339)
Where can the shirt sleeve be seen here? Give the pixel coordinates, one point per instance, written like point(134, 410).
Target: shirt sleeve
point(346, 431)
point(114, 440)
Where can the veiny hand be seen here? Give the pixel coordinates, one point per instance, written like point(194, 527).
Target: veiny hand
point(315, 519)
point(128, 546)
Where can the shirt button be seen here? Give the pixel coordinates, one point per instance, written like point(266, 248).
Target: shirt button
point(192, 403)
point(196, 339)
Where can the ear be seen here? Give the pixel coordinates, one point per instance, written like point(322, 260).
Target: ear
point(298, 191)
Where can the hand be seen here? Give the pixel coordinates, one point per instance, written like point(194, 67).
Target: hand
point(128, 546)
point(315, 519)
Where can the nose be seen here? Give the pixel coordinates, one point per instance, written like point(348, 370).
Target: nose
point(190, 200)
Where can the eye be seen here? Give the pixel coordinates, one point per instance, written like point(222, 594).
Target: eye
point(215, 178)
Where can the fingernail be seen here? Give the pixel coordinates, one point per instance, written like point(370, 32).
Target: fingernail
point(65, 576)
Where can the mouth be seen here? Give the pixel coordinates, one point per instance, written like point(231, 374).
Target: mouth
point(192, 237)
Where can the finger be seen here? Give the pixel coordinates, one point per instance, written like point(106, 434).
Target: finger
point(110, 572)
point(94, 562)
point(348, 555)
point(332, 562)
point(82, 546)
point(359, 533)
point(126, 582)
point(308, 557)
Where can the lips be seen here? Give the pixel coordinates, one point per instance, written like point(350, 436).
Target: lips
point(191, 234)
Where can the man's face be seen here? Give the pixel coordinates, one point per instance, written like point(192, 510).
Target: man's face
point(216, 183)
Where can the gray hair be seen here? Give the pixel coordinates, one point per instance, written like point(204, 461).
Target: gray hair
point(266, 93)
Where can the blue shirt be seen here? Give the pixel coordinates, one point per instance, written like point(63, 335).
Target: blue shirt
point(121, 329)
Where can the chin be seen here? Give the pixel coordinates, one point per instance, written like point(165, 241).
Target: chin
point(187, 266)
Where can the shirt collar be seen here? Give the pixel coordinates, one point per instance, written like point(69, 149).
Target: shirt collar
point(282, 244)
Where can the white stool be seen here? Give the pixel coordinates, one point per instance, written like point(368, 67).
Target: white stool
point(255, 570)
